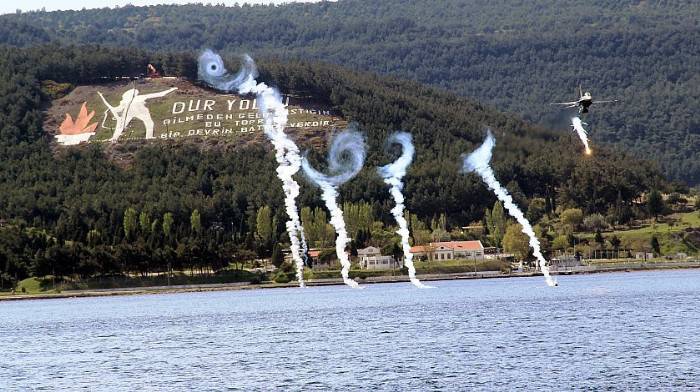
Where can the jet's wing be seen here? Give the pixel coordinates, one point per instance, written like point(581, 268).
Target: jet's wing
point(569, 104)
point(607, 101)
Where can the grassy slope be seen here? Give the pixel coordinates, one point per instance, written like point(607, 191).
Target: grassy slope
point(35, 285)
point(44, 285)
point(669, 235)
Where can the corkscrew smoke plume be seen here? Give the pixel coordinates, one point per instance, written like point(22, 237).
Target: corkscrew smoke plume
point(211, 70)
point(346, 155)
point(393, 175)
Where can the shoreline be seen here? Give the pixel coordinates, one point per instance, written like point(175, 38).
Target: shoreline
point(89, 293)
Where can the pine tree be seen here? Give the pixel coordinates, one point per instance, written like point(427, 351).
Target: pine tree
point(276, 259)
point(655, 245)
point(599, 239)
point(496, 223)
point(145, 222)
point(655, 204)
point(196, 222)
point(263, 225)
point(130, 223)
point(168, 222)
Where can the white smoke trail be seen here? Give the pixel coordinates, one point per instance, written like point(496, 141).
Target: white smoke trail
point(393, 175)
point(577, 124)
point(211, 70)
point(478, 161)
point(346, 155)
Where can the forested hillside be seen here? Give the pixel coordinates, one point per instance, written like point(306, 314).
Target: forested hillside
point(73, 211)
point(515, 55)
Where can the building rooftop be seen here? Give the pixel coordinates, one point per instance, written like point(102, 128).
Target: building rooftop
point(454, 245)
point(368, 251)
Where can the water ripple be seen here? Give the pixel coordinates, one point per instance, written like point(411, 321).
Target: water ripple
point(636, 331)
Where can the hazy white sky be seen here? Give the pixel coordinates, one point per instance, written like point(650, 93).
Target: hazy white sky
point(31, 5)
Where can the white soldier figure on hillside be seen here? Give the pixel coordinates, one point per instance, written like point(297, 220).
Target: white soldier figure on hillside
point(133, 106)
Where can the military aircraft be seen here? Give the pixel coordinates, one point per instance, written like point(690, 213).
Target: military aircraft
point(584, 101)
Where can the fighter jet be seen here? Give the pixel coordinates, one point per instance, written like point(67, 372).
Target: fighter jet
point(584, 101)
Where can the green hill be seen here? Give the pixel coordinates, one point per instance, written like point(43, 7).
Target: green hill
point(80, 211)
point(516, 56)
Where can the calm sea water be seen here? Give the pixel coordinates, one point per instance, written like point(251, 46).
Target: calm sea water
point(626, 331)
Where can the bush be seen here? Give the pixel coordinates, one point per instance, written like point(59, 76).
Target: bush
point(561, 242)
point(257, 278)
point(536, 210)
point(282, 277)
point(572, 217)
point(595, 222)
point(676, 198)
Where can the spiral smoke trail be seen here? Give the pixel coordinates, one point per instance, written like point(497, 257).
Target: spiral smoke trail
point(577, 124)
point(346, 155)
point(393, 175)
point(478, 161)
point(212, 71)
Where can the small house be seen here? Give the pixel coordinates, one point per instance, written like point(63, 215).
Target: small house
point(371, 258)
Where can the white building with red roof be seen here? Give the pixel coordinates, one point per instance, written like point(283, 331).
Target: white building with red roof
point(452, 250)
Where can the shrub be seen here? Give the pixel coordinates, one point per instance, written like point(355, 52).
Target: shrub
point(572, 217)
point(595, 222)
point(676, 198)
point(561, 242)
point(282, 277)
point(257, 278)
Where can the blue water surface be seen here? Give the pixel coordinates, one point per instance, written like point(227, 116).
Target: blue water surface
point(616, 331)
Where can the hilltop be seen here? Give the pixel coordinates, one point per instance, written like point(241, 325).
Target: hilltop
point(516, 56)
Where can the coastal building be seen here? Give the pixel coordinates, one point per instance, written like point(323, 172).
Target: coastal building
point(371, 258)
point(643, 255)
point(380, 262)
point(313, 256)
point(452, 250)
point(564, 261)
point(370, 251)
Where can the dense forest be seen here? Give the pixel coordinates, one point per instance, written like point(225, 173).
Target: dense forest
point(515, 55)
point(73, 211)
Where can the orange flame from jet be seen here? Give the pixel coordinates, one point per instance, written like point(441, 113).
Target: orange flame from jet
point(80, 125)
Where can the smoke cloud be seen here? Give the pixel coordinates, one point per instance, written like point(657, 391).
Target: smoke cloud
point(478, 161)
point(577, 124)
point(346, 155)
point(393, 175)
point(211, 70)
